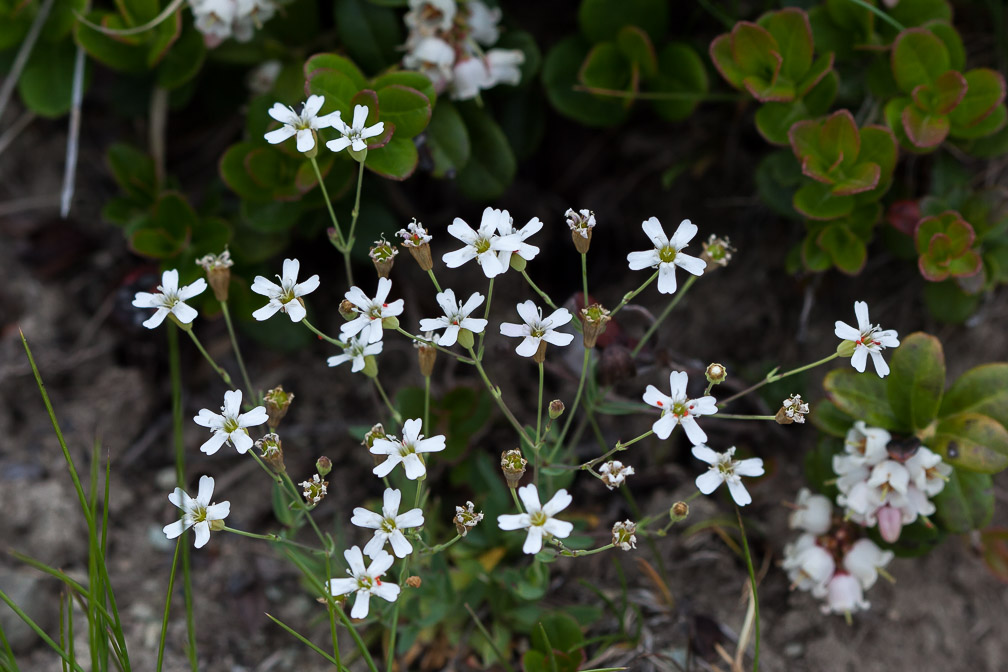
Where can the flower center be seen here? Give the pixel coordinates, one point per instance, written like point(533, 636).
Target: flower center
point(679, 409)
point(537, 332)
point(199, 513)
point(406, 449)
point(364, 582)
point(667, 254)
point(230, 425)
point(482, 245)
point(388, 525)
point(538, 518)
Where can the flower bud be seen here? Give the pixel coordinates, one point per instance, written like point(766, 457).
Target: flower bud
point(218, 270)
point(426, 356)
point(513, 466)
point(347, 309)
point(466, 518)
point(383, 256)
point(315, 489)
point(594, 318)
point(466, 339)
point(376, 432)
point(581, 224)
point(556, 409)
point(216, 525)
point(413, 581)
point(890, 523)
point(277, 403)
point(271, 451)
point(323, 465)
point(792, 409)
point(716, 373)
point(623, 535)
point(616, 364)
point(717, 252)
point(679, 511)
point(416, 239)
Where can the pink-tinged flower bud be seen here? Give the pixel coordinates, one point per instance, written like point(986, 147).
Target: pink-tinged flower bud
point(323, 465)
point(890, 523)
point(556, 409)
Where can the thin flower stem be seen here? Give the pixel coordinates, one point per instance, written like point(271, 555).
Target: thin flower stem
point(577, 553)
point(514, 496)
point(496, 394)
point(234, 344)
point(584, 276)
point(341, 243)
point(414, 337)
point(773, 377)
point(304, 640)
point(275, 538)
point(664, 314)
point(321, 335)
point(381, 390)
point(39, 631)
point(726, 416)
point(167, 606)
point(536, 446)
point(441, 547)
point(574, 406)
point(620, 446)
point(220, 371)
point(419, 490)
point(390, 653)
point(430, 272)
point(426, 405)
point(356, 209)
point(752, 581)
point(627, 297)
point(535, 288)
point(286, 479)
point(670, 95)
point(332, 614)
point(486, 316)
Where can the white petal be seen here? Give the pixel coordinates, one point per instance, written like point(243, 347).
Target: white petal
point(380, 565)
point(412, 518)
point(450, 336)
point(342, 586)
point(202, 534)
point(156, 319)
point(528, 312)
point(400, 546)
point(693, 431)
point(708, 481)
point(459, 229)
point(198, 287)
point(213, 444)
point(846, 332)
point(355, 560)
point(305, 140)
point(677, 384)
point(385, 468)
point(558, 528)
point(750, 467)
point(218, 511)
point(312, 106)
point(559, 317)
point(880, 364)
point(360, 115)
point(241, 441)
point(653, 397)
point(653, 230)
point(666, 278)
point(387, 591)
point(375, 545)
point(283, 114)
point(366, 519)
point(528, 347)
point(257, 416)
point(861, 312)
point(295, 310)
point(338, 145)
point(558, 338)
point(511, 329)
point(278, 135)
point(690, 264)
point(446, 300)
point(414, 466)
point(491, 265)
point(205, 492)
point(513, 521)
point(664, 425)
point(267, 311)
point(859, 358)
point(683, 234)
point(390, 502)
point(560, 501)
point(706, 454)
point(533, 542)
point(307, 287)
point(459, 257)
point(173, 530)
point(739, 492)
point(265, 287)
point(361, 602)
point(373, 131)
point(474, 301)
point(641, 260)
point(529, 496)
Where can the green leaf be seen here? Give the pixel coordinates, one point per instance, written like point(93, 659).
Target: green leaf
point(491, 166)
point(337, 87)
point(985, 91)
point(790, 28)
point(917, 380)
point(966, 503)
point(924, 130)
point(370, 34)
point(167, 231)
point(607, 68)
point(878, 145)
point(407, 108)
point(635, 46)
point(918, 57)
point(413, 80)
point(448, 140)
point(950, 37)
point(723, 57)
point(859, 179)
point(949, 90)
point(846, 250)
point(775, 120)
point(602, 20)
point(680, 72)
point(815, 200)
point(972, 441)
point(839, 139)
point(397, 160)
point(133, 171)
point(863, 397)
point(989, 125)
point(813, 256)
point(138, 12)
point(560, 71)
point(820, 69)
point(827, 417)
point(271, 217)
point(232, 168)
point(47, 79)
point(334, 62)
point(117, 54)
point(756, 51)
point(184, 59)
point(982, 389)
point(947, 302)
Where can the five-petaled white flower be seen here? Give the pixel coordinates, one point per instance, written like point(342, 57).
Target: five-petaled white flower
point(677, 409)
point(354, 136)
point(406, 450)
point(302, 125)
point(365, 581)
point(538, 518)
point(170, 298)
point(388, 525)
point(230, 424)
point(867, 340)
point(456, 317)
point(725, 469)
point(505, 227)
point(483, 245)
point(667, 254)
point(370, 312)
point(198, 513)
point(286, 296)
point(537, 329)
point(355, 349)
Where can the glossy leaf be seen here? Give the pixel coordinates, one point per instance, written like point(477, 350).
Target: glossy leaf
point(133, 171)
point(370, 34)
point(183, 61)
point(918, 57)
point(828, 417)
point(413, 80)
point(407, 108)
point(491, 167)
point(793, 34)
point(972, 441)
point(397, 160)
point(602, 20)
point(637, 48)
point(982, 389)
point(986, 127)
point(862, 396)
point(985, 91)
point(606, 67)
point(337, 63)
point(560, 71)
point(680, 71)
point(816, 201)
point(845, 250)
point(916, 380)
point(966, 503)
point(925, 130)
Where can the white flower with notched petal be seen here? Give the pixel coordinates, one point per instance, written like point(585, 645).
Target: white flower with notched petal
point(867, 340)
point(388, 525)
point(370, 312)
point(677, 409)
point(285, 297)
point(355, 349)
point(483, 245)
point(667, 254)
point(538, 518)
point(354, 136)
point(537, 330)
point(198, 513)
point(170, 298)
point(407, 450)
point(505, 227)
point(365, 581)
point(456, 317)
point(725, 469)
point(230, 424)
point(303, 125)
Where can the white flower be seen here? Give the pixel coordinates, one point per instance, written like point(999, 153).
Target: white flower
point(466, 518)
point(503, 67)
point(580, 222)
point(302, 125)
point(808, 565)
point(414, 235)
point(388, 525)
point(725, 469)
point(365, 582)
point(624, 535)
point(198, 513)
point(285, 297)
point(354, 136)
point(614, 473)
point(844, 595)
point(355, 349)
point(483, 22)
point(795, 408)
point(505, 226)
point(231, 424)
point(867, 340)
point(538, 518)
point(430, 16)
point(170, 298)
point(456, 317)
point(434, 58)
point(677, 409)
point(469, 76)
point(667, 254)
point(813, 513)
point(370, 312)
point(864, 559)
point(483, 245)
point(407, 450)
point(221, 19)
point(315, 489)
point(927, 471)
point(537, 329)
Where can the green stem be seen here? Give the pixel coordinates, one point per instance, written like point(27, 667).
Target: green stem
point(342, 244)
point(514, 496)
point(620, 446)
point(332, 614)
point(486, 316)
point(426, 405)
point(664, 314)
point(773, 377)
point(441, 547)
point(577, 553)
point(538, 436)
point(388, 404)
point(237, 351)
point(307, 642)
point(496, 394)
point(167, 606)
point(726, 416)
point(752, 581)
point(318, 333)
point(584, 276)
point(390, 655)
point(879, 13)
point(274, 538)
point(535, 288)
point(627, 297)
point(356, 209)
point(199, 346)
point(437, 347)
point(39, 631)
point(490, 640)
point(430, 272)
point(574, 406)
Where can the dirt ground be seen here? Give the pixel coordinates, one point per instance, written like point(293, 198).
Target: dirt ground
point(66, 285)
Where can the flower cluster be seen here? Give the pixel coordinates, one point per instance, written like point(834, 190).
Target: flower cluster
point(885, 482)
point(446, 42)
point(493, 244)
point(306, 125)
point(829, 559)
point(220, 19)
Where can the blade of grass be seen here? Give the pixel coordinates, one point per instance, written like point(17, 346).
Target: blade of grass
point(8, 653)
point(38, 631)
point(490, 640)
point(304, 640)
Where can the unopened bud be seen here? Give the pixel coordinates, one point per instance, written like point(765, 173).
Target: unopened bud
point(277, 403)
point(413, 581)
point(334, 236)
point(616, 365)
point(271, 451)
point(792, 409)
point(556, 409)
point(679, 511)
point(466, 518)
point(717, 252)
point(377, 432)
point(323, 465)
point(383, 256)
point(218, 270)
point(716, 373)
point(426, 355)
point(391, 322)
point(347, 309)
point(513, 466)
point(594, 318)
point(216, 525)
point(624, 535)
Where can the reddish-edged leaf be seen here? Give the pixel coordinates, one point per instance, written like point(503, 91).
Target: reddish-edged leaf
point(862, 177)
point(839, 138)
point(918, 57)
point(820, 68)
point(924, 129)
point(756, 51)
point(793, 34)
point(985, 91)
point(723, 57)
point(950, 89)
